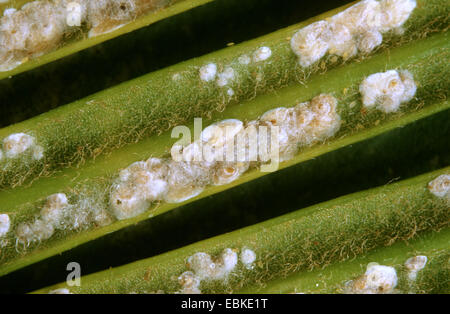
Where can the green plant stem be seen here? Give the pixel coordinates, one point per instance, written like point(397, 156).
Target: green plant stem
point(156, 102)
point(310, 238)
point(24, 202)
point(177, 6)
point(418, 57)
point(332, 278)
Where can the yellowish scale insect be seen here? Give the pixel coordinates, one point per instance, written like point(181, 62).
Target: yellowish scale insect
point(378, 279)
point(387, 90)
point(356, 29)
point(440, 186)
point(414, 265)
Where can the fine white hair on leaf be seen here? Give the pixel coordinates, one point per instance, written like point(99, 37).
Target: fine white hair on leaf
point(86, 208)
point(261, 54)
point(208, 72)
point(387, 90)
point(42, 230)
point(37, 231)
point(440, 186)
point(24, 233)
point(5, 224)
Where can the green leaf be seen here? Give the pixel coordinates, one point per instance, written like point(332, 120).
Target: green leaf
point(330, 232)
